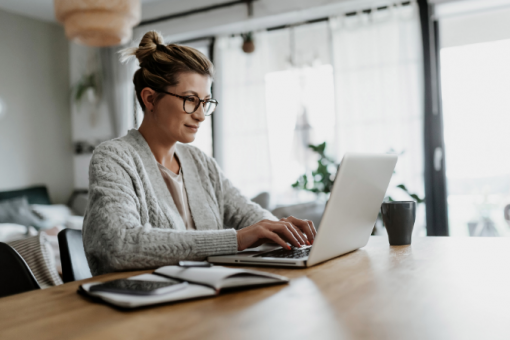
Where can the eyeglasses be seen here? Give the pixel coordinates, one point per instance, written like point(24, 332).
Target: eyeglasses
point(191, 103)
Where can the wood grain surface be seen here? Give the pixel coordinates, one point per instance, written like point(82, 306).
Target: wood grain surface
point(437, 288)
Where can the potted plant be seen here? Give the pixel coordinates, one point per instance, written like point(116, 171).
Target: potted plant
point(322, 179)
point(248, 44)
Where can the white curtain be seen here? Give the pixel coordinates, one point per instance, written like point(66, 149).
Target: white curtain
point(354, 82)
point(118, 89)
point(379, 88)
point(263, 97)
point(240, 128)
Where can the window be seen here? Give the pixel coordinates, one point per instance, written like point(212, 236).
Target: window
point(476, 106)
point(300, 109)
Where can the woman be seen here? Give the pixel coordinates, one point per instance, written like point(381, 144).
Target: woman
point(152, 201)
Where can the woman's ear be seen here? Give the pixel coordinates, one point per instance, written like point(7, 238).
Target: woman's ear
point(148, 96)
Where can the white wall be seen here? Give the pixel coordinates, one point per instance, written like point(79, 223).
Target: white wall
point(474, 28)
point(35, 132)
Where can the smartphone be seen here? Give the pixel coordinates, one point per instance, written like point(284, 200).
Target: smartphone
point(136, 287)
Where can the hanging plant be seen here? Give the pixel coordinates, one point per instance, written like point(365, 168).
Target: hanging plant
point(248, 44)
point(89, 85)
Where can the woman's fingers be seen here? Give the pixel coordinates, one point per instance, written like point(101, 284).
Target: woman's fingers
point(275, 238)
point(297, 233)
point(284, 231)
point(300, 232)
point(305, 226)
point(279, 232)
point(312, 227)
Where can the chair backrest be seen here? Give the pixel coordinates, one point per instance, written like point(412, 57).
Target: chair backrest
point(262, 199)
point(72, 256)
point(35, 195)
point(312, 211)
point(16, 277)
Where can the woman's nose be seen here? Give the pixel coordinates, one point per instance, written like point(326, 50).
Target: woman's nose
point(199, 114)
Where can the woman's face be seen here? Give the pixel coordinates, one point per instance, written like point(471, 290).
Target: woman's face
point(168, 114)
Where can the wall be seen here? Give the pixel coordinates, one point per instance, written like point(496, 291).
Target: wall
point(473, 28)
point(35, 132)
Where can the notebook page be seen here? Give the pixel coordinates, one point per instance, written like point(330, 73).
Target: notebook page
point(218, 276)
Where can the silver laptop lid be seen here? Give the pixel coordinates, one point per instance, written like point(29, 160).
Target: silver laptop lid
point(360, 185)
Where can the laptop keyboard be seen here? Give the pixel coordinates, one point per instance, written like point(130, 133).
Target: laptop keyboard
point(293, 253)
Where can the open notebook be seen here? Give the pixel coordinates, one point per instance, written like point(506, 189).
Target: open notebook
point(202, 282)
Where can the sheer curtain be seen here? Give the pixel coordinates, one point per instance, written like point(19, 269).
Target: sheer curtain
point(354, 81)
point(240, 124)
point(300, 109)
point(118, 89)
point(378, 86)
point(266, 98)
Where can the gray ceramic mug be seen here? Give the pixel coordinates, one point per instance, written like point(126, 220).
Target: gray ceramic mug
point(398, 218)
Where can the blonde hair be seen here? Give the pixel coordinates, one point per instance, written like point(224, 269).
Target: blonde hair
point(160, 64)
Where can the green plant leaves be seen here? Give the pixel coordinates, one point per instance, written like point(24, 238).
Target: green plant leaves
point(414, 196)
point(323, 177)
point(91, 80)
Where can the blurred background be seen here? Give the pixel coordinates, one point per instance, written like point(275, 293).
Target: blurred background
point(299, 84)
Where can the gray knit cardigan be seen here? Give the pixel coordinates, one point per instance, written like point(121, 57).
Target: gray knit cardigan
point(131, 221)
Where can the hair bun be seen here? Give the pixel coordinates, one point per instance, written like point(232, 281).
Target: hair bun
point(151, 40)
point(148, 45)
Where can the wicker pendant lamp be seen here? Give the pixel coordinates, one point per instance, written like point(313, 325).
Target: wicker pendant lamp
point(98, 23)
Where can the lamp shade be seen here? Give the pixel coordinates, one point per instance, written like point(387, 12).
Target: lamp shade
point(98, 23)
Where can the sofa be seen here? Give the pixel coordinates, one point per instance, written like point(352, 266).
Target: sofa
point(29, 222)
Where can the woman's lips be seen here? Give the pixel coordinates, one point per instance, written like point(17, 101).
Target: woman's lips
point(192, 127)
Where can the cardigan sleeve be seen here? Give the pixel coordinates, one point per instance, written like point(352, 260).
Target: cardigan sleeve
point(238, 211)
point(114, 237)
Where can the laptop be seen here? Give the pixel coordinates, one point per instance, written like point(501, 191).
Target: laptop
point(348, 220)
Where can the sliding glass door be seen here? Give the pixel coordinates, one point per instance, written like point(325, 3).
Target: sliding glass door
point(476, 110)
point(475, 82)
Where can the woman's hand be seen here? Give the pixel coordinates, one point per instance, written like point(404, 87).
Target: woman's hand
point(293, 230)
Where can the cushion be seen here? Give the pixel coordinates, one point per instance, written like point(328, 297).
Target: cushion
point(17, 210)
point(54, 214)
point(38, 254)
point(74, 222)
point(58, 215)
point(11, 232)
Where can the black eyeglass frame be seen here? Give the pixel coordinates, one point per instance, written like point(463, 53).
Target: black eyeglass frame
point(200, 101)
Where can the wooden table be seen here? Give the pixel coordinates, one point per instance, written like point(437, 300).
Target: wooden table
point(437, 288)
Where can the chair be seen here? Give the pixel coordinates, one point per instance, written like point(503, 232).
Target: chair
point(16, 276)
point(262, 199)
point(312, 211)
point(72, 256)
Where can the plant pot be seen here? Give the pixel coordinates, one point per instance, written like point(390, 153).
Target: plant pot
point(248, 46)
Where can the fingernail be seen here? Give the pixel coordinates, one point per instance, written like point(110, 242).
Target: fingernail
point(307, 243)
point(288, 247)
